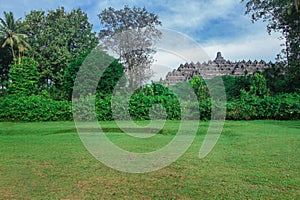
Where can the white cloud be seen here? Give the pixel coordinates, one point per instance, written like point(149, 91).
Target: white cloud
point(260, 47)
point(174, 49)
point(189, 14)
point(180, 14)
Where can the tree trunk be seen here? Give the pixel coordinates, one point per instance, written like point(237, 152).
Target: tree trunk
point(19, 58)
point(12, 51)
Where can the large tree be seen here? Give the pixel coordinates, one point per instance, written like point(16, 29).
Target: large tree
point(282, 16)
point(110, 76)
point(131, 34)
point(57, 37)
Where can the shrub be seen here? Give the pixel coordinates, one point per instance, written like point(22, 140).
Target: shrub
point(250, 107)
point(34, 108)
point(24, 77)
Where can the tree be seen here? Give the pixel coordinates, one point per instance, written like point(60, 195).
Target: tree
point(5, 62)
point(131, 34)
point(276, 79)
point(57, 37)
point(258, 86)
point(10, 30)
point(110, 77)
point(200, 88)
point(281, 16)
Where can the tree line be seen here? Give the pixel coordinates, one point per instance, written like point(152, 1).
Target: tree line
point(41, 55)
point(58, 39)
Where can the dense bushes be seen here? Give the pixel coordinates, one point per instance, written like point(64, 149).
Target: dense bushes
point(33, 108)
point(249, 99)
point(279, 107)
point(256, 103)
point(24, 77)
point(247, 107)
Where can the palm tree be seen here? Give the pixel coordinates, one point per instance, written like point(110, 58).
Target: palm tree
point(22, 46)
point(9, 30)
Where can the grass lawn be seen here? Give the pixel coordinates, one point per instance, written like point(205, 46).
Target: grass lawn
point(252, 160)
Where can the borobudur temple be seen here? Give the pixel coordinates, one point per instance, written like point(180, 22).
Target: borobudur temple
point(217, 67)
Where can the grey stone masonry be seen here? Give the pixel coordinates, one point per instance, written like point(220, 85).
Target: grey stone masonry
point(217, 67)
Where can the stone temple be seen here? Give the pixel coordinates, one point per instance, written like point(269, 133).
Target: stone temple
point(217, 67)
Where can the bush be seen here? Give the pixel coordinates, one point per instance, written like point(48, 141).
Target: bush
point(279, 107)
point(24, 77)
point(34, 108)
point(248, 106)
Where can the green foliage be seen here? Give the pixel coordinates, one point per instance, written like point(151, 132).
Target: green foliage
point(293, 76)
point(10, 31)
point(96, 65)
point(142, 103)
point(57, 37)
point(250, 107)
point(276, 80)
point(234, 85)
point(200, 88)
point(61, 43)
point(112, 76)
point(143, 100)
point(24, 77)
point(83, 108)
point(258, 86)
point(71, 73)
point(282, 16)
point(109, 77)
point(19, 107)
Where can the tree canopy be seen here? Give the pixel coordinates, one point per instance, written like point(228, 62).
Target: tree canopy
point(131, 34)
point(281, 16)
point(56, 38)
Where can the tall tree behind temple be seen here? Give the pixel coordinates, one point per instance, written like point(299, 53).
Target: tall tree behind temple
point(56, 38)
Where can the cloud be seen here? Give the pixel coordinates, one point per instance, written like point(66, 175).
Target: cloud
point(260, 47)
point(191, 13)
point(178, 14)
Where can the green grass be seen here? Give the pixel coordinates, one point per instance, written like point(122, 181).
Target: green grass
point(252, 160)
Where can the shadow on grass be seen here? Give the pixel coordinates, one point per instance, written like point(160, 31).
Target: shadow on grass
point(111, 130)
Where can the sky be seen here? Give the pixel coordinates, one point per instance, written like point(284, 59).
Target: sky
point(215, 25)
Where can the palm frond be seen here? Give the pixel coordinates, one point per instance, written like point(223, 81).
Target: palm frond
point(7, 42)
point(9, 30)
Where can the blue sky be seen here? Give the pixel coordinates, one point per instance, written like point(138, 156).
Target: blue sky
point(217, 25)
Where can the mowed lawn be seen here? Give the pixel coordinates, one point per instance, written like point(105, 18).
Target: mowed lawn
point(252, 160)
